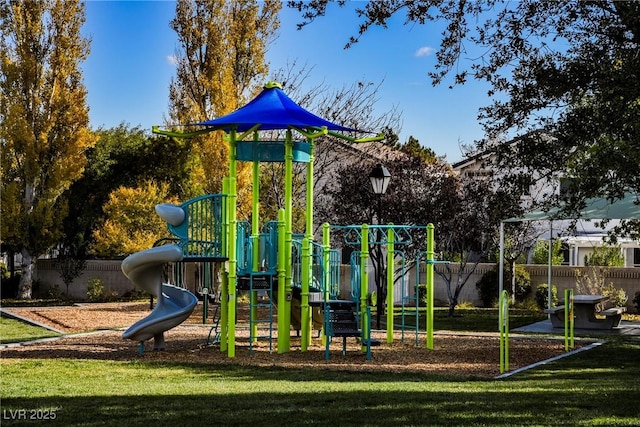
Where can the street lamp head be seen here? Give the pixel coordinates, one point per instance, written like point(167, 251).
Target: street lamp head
point(379, 178)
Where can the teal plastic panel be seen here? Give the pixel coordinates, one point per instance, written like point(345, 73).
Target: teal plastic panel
point(271, 151)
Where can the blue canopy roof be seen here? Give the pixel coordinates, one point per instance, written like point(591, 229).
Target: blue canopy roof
point(272, 109)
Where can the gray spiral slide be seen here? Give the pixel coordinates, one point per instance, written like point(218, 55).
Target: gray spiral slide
point(174, 304)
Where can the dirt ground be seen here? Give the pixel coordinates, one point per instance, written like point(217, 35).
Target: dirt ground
point(453, 354)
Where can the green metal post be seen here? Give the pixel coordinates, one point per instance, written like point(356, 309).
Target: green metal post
point(429, 266)
point(307, 275)
point(255, 236)
point(568, 320)
point(284, 304)
point(326, 246)
point(233, 257)
point(309, 192)
point(224, 291)
point(503, 319)
point(305, 318)
point(281, 273)
point(390, 280)
point(364, 279)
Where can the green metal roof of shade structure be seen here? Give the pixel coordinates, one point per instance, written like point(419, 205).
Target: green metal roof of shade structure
point(597, 208)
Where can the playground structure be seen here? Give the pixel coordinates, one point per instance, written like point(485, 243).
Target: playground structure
point(198, 226)
point(291, 269)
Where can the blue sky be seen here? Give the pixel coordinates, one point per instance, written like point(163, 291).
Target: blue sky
point(128, 71)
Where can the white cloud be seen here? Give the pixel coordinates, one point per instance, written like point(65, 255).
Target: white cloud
point(172, 60)
point(424, 51)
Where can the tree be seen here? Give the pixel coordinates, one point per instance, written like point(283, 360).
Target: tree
point(605, 256)
point(418, 193)
point(123, 156)
point(43, 122)
point(592, 279)
point(413, 148)
point(131, 223)
point(71, 261)
point(518, 239)
point(541, 252)
point(220, 65)
point(566, 69)
point(465, 236)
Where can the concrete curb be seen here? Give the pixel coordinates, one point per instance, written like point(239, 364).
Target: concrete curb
point(553, 359)
point(7, 314)
point(49, 339)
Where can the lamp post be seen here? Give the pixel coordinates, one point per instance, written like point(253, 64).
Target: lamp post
point(379, 178)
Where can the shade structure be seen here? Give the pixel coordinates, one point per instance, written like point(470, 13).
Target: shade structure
point(272, 109)
point(596, 208)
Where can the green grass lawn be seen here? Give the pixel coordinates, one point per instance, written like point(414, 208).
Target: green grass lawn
point(598, 387)
point(595, 387)
point(468, 319)
point(16, 331)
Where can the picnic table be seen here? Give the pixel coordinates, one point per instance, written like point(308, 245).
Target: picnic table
point(585, 314)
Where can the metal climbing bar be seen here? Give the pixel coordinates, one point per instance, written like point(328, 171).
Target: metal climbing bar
point(401, 233)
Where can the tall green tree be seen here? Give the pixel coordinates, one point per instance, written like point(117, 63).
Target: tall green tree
point(568, 69)
point(131, 224)
point(221, 64)
point(541, 252)
point(123, 156)
point(44, 121)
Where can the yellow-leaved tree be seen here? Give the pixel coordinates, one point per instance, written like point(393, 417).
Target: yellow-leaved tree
point(220, 65)
point(44, 122)
point(132, 224)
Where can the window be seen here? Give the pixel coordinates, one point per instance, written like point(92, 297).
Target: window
point(636, 257)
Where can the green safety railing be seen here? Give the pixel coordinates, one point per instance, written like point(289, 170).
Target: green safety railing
point(200, 234)
point(401, 234)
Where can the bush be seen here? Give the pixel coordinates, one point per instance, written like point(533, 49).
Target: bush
point(136, 294)
point(422, 295)
point(605, 256)
point(541, 252)
point(593, 281)
point(4, 272)
point(97, 293)
point(488, 285)
point(487, 288)
point(95, 290)
point(55, 292)
point(523, 283)
point(617, 297)
point(542, 295)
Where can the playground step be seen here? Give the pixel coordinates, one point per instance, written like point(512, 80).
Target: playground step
point(255, 283)
point(342, 319)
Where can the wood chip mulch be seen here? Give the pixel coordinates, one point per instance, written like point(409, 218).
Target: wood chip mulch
point(453, 354)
